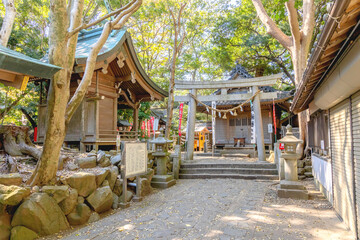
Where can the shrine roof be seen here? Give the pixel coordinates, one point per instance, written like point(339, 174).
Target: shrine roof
point(19, 63)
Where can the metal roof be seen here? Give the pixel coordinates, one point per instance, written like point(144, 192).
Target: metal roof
point(16, 62)
point(111, 48)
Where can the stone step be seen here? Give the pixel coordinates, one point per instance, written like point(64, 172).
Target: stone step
point(231, 176)
point(263, 171)
point(229, 165)
point(236, 155)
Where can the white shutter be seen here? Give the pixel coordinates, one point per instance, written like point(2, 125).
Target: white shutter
point(342, 166)
point(355, 111)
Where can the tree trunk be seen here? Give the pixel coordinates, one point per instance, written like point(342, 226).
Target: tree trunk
point(170, 104)
point(57, 98)
point(16, 141)
point(8, 21)
point(298, 44)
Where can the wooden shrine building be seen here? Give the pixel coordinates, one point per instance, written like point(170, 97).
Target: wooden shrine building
point(119, 82)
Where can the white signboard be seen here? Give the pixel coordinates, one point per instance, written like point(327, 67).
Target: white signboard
point(156, 124)
point(270, 128)
point(135, 158)
point(253, 135)
point(213, 113)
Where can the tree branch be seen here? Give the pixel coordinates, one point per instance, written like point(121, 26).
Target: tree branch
point(84, 26)
point(8, 21)
point(293, 21)
point(271, 26)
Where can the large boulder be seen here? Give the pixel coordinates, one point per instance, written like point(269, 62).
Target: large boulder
point(59, 193)
point(94, 217)
point(83, 182)
point(69, 203)
point(101, 176)
point(10, 179)
point(41, 214)
point(146, 188)
point(118, 188)
point(12, 195)
point(103, 159)
point(114, 172)
point(87, 162)
point(115, 160)
point(5, 226)
point(101, 200)
point(22, 233)
point(80, 215)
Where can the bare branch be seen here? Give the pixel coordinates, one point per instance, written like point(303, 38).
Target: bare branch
point(293, 21)
point(89, 71)
point(271, 26)
point(84, 26)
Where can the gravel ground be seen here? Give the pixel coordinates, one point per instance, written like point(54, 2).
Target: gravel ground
point(218, 209)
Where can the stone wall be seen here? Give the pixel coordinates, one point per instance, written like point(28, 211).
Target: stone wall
point(92, 187)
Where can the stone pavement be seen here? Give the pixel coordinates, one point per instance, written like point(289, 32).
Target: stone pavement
point(217, 209)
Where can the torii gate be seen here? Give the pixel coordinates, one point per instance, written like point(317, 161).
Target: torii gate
point(254, 83)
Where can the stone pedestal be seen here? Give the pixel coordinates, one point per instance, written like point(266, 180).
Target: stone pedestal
point(290, 167)
point(163, 181)
point(161, 159)
point(292, 189)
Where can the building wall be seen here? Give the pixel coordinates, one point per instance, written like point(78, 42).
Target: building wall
point(339, 95)
point(240, 127)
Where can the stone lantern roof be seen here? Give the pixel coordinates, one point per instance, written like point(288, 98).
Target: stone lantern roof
point(160, 140)
point(289, 137)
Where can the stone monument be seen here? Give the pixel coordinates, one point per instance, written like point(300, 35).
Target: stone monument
point(162, 179)
point(291, 187)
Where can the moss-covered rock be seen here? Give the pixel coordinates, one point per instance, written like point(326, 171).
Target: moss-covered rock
point(10, 179)
point(80, 214)
point(83, 182)
point(5, 226)
point(22, 233)
point(12, 195)
point(41, 214)
point(69, 203)
point(101, 176)
point(101, 200)
point(59, 193)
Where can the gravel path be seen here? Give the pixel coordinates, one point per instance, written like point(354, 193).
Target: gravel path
point(217, 209)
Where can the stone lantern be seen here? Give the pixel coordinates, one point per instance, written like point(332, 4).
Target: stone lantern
point(162, 179)
point(290, 187)
point(290, 143)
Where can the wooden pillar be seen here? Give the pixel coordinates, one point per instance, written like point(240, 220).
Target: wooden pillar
point(82, 126)
point(259, 126)
point(191, 127)
point(136, 119)
point(97, 112)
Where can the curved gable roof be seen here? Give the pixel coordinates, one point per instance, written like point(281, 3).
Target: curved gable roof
point(112, 47)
